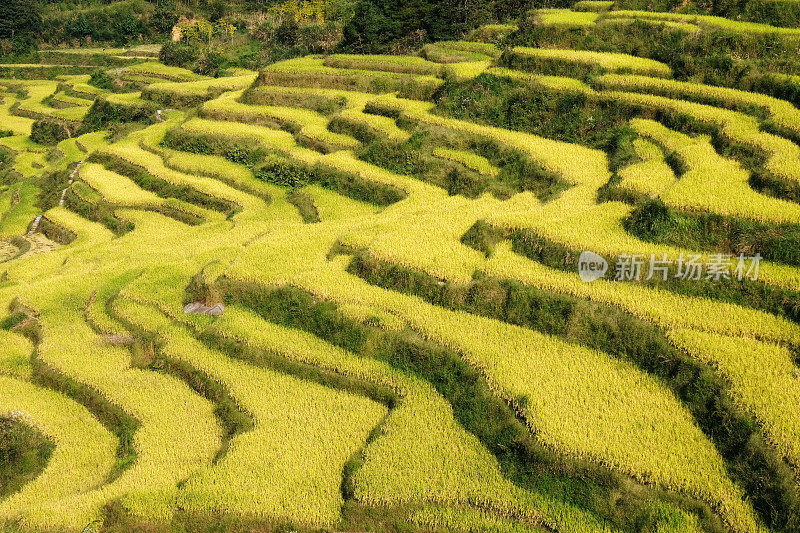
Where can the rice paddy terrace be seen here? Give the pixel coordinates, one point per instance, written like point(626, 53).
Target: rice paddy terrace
point(319, 296)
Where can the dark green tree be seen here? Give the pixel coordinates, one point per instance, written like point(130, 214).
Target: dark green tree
point(19, 18)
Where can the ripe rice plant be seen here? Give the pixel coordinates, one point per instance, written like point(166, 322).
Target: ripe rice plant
point(384, 63)
point(17, 125)
point(15, 356)
point(379, 125)
point(131, 152)
point(269, 138)
point(333, 206)
point(746, 363)
point(508, 357)
point(159, 70)
point(665, 309)
point(69, 101)
point(173, 440)
point(713, 182)
point(475, 162)
point(567, 17)
point(652, 176)
point(312, 72)
point(222, 169)
point(316, 398)
point(554, 156)
point(781, 112)
point(458, 470)
point(656, 23)
point(467, 70)
point(309, 123)
point(185, 94)
point(492, 33)
point(460, 51)
point(592, 61)
point(18, 215)
point(558, 83)
point(115, 188)
point(83, 455)
point(708, 20)
point(781, 154)
point(86, 232)
point(287, 467)
point(345, 161)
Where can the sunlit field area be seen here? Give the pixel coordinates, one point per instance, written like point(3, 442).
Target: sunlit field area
point(541, 275)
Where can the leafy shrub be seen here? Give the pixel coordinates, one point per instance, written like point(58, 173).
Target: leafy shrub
point(178, 54)
point(49, 131)
point(102, 80)
point(649, 220)
point(283, 172)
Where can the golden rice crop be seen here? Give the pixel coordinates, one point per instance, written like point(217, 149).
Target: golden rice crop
point(470, 160)
point(159, 70)
point(429, 240)
point(559, 83)
point(384, 63)
point(468, 69)
point(651, 176)
point(83, 456)
point(178, 432)
point(269, 138)
point(606, 61)
point(219, 168)
point(17, 125)
point(384, 126)
point(459, 51)
point(763, 380)
point(577, 164)
point(422, 454)
point(345, 161)
point(19, 215)
point(311, 71)
point(97, 314)
point(782, 113)
point(68, 100)
point(604, 409)
point(115, 188)
point(193, 92)
point(487, 49)
point(684, 26)
point(782, 154)
point(707, 20)
point(85, 193)
point(130, 151)
point(133, 99)
point(663, 308)
point(86, 232)
point(579, 402)
point(16, 354)
point(333, 206)
point(289, 466)
point(310, 123)
point(494, 33)
point(566, 17)
point(712, 182)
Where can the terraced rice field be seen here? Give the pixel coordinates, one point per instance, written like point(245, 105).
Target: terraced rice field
point(308, 295)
